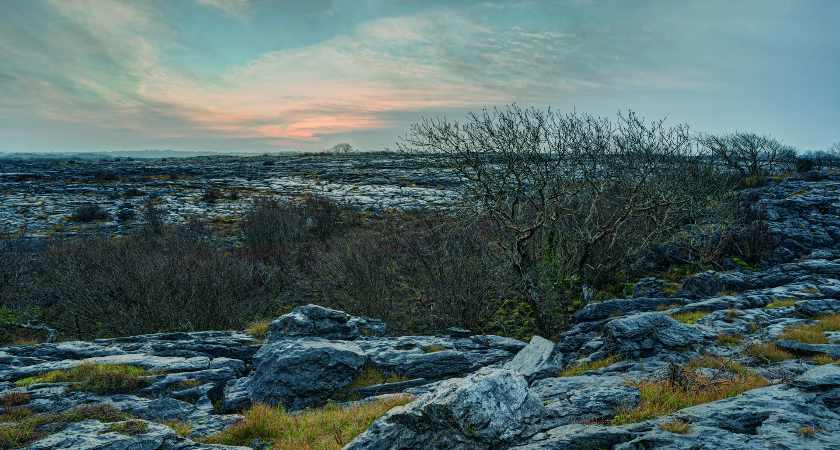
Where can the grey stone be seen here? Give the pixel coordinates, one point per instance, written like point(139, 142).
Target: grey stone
point(622, 307)
point(646, 333)
point(585, 398)
point(299, 373)
point(485, 410)
point(317, 321)
point(537, 360)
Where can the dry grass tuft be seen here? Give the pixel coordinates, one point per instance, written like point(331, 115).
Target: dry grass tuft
point(824, 359)
point(729, 339)
point(661, 397)
point(677, 427)
point(97, 378)
point(689, 317)
point(181, 428)
point(129, 427)
point(573, 371)
point(808, 431)
point(15, 399)
point(330, 427)
point(25, 428)
point(768, 352)
point(258, 329)
point(809, 334)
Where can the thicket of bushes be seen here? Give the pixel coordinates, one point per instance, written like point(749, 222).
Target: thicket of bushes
point(559, 210)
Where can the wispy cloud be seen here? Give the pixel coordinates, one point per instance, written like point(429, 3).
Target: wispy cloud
point(238, 9)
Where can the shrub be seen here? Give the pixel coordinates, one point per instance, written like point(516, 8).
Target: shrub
point(690, 317)
point(330, 427)
point(97, 378)
point(659, 397)
point(579, 369)
point(577, 195)
point(15, 399)
point(767, 352)
point(89, 213)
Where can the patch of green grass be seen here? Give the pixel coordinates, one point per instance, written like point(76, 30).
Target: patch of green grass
point(578, 369)
point(96, 378)
point(662, 397)
point(676, 426)
point(781, 303)
point(768, 352)
point(129, 427)
point(730, 340)
point(327, 428)
point(434, 348)
point(258, 329)
point(691, 317)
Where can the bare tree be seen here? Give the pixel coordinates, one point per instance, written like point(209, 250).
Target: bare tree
point(342, 148)
point(750, 154)
point(578, 191)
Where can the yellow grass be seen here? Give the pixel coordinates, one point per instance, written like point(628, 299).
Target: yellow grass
point(573, 371)
point(661, 397)
point(689, 317)
point(677, 426)
point(24, 429)
point(768, 352)
point(809, 334)
point(824, 359)
point(729, 339)
point(330, 427)
point(182, 429)
point(258, 329)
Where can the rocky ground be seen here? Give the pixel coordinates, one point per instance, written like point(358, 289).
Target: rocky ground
point(744, 359)
point(38, 197)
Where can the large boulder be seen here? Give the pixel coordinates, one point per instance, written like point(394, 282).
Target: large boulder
point(314, 320)
point(537, 360)
point(585, 398)
point(300, 373)
point(488, 409)
point(647, 333)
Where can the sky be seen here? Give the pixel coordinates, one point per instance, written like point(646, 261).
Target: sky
point(274, 75)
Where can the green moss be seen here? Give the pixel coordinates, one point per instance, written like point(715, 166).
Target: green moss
point(742, 264)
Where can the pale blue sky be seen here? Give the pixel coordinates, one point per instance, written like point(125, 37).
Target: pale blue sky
point(255, 75)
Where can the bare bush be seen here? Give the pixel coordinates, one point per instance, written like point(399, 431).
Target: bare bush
point(273, 230)
point(749, 154)
point(420, 273)
point(89, 213)
point(147, 283)
point(576, 195)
